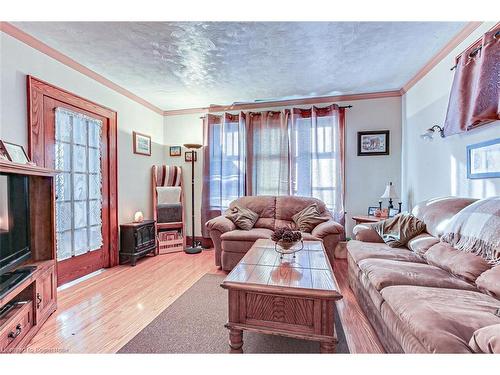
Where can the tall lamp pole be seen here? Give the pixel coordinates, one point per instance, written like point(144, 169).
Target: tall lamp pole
point(194, 248)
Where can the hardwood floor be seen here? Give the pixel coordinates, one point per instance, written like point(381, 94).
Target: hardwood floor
point(102, 313)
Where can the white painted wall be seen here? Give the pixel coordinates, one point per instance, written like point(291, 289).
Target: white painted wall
point(18, 60)
point(366, 176)
point(438, 168)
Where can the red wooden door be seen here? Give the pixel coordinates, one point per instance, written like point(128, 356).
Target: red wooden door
point(74, 257)
point(43, 100)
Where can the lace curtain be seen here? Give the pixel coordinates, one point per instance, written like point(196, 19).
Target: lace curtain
point(79, 183)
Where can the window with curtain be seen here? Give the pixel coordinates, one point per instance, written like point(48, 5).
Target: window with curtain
point(289, 152)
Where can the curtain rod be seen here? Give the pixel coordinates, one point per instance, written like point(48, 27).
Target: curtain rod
point(340, 106)
point(477, 49)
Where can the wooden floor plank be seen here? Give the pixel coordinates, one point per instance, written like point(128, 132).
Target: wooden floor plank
point(102, 313)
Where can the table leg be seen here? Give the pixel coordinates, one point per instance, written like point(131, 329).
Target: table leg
point(236, 340)
point(327, 347)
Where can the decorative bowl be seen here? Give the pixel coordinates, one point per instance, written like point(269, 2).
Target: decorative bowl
point(288, 247)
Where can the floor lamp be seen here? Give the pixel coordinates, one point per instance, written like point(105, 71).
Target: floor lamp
point(193, 249)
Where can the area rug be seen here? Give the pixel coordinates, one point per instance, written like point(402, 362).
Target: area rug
point(194, 323)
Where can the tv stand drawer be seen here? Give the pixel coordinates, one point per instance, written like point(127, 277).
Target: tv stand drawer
point(15, 325)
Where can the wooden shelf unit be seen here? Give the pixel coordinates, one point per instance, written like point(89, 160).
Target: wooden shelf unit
point(36, 297)
point(165, 246)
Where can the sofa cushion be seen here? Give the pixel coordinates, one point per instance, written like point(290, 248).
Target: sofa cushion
point(244, 218)
point(309, 217)
point(370, 289)
point(442, 319)
point(436, 213)
point(465, 265)
point(263, 205)
point(363, 250)
point(421, 243)
point(398, 230)
point(489, 282)
point(486, 340)
point(287, 206)
point(247, 235)
point(384, 272)
point(309, 237)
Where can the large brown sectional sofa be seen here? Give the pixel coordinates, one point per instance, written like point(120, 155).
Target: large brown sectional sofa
point(426, 297)
point(231, 243)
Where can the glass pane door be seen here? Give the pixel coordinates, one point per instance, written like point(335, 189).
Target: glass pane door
point(78, 185)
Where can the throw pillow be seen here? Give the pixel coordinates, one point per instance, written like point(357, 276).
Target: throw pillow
point(397, 231)
point(308, 218)
point(476, 229)
point(242, 217)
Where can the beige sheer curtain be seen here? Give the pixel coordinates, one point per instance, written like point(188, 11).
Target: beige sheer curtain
point(268, 156)
point(475, 93)
point(317, 156)
point(224, 163)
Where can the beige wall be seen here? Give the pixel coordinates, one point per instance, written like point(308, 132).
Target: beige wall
point(365, 176)
point(438, 168)
point(18, 60)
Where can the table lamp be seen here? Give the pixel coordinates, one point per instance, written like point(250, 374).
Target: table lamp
point(389, 193)
point(195, 248)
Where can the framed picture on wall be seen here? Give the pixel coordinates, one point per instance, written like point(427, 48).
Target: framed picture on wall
point(175, 151)
point(373, 143)
point(483, 159)
point(142, 144)
point(372, 210)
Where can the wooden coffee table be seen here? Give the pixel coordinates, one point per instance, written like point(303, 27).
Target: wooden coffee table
point(291, 297)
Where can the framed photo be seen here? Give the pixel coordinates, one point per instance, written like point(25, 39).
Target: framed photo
point(393, 212)
point(372, 143)
point(483, 159)
point(142, 144)
point(188, 155)
point(175, 151)
point(14, 153)
point(371, 211)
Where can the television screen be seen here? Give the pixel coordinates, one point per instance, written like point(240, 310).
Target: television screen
point(14, 221)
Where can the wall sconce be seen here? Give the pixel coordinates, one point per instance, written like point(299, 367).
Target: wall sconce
point(429, 133)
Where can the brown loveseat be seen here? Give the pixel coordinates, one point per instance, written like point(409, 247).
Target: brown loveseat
point(231, 243)
point(425, 298)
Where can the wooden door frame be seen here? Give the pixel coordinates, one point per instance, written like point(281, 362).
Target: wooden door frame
point(37, 90)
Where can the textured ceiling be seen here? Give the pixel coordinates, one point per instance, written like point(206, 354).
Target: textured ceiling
point(193, 64)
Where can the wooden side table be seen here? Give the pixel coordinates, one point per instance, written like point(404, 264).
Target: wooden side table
point(367, 219)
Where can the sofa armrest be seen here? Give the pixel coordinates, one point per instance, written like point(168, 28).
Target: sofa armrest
point(486, 340)
point(220, 223)
point(365, 233)
point(328, 227)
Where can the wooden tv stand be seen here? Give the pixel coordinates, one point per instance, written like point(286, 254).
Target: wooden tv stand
point(35, 298)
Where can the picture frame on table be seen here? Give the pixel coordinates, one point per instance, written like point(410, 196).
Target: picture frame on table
point(13, 152)
point(483, 159)
point(187, 156)
point(142, 144)
point(393, 212)
point(372, 210)
point(175, 151)
point(373, 143)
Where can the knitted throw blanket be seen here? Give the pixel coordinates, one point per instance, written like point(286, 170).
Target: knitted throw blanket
point(476, 229)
